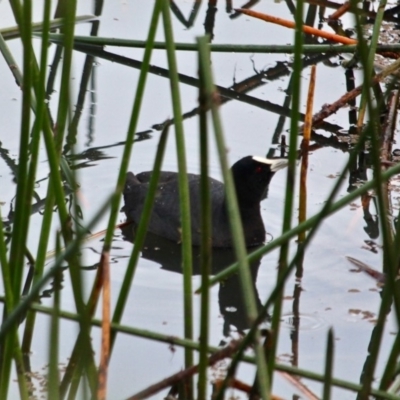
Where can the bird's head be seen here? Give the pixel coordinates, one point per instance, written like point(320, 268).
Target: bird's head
point(252, 175)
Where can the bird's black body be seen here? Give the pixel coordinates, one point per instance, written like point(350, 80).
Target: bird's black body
point(251, 178)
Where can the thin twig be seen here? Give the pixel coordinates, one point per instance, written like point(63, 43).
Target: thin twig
point(105, 326)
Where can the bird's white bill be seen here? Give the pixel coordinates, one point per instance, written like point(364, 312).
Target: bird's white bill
point(275, 163)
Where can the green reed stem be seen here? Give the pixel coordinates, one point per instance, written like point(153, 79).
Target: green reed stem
point(53, 374)
point(183, 189)
point(389, 261)
point(132, 126)
point(141, 231)
point(220, 47)
point(13, 32)
point(290, 184)
point(5, 269)
point(392, 268)
point(390, 365)
point(12, 64)
point(64, 100)
point(23, 200)
point(62, 115)
point(206, 223)
point(122, 298)
point(234, 219)
point(48, 213)
point(84, 384)
point(330, 350)
point(39, 265)
point(23, 383)
point(5, 347)
point(367, 374)
point(117, 328)
point(10, 346)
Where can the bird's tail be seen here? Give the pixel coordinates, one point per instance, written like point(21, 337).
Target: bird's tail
point(131, 180)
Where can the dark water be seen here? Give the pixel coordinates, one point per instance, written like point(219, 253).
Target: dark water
point(329, 294)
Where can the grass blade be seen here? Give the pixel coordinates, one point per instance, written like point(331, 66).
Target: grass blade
point(235, 221)
point(183, 190)
point(204, 104)
point(330, 348)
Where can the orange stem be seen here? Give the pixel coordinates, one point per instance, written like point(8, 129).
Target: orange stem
point(304, 150)
point(290, 24)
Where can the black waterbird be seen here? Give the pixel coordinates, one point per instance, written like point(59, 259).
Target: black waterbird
point(251, 176)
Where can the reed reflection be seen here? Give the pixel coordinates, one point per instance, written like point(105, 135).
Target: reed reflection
point(230, 295)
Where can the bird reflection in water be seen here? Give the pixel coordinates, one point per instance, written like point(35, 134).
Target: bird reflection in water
point(230, 294)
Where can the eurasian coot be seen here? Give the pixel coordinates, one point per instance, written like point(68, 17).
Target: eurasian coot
point(251, 175)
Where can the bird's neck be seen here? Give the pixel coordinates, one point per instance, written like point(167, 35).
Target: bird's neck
point(253, 226)
point(246, 202)
point(248, 209)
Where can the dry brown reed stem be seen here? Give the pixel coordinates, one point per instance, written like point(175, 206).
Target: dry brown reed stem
point(290, 24)
point(340, 11)
point(182, 375)
point(389, 126)
point(304, 151)
point(98, 285)
point(329, 109)
point(105, 326)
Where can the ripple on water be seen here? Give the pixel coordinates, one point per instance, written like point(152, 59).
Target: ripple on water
point(307, 322)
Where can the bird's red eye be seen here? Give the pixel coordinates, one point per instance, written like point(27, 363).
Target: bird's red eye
point(258, 169)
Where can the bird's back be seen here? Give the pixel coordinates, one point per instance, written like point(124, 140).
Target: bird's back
point(165, 219)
